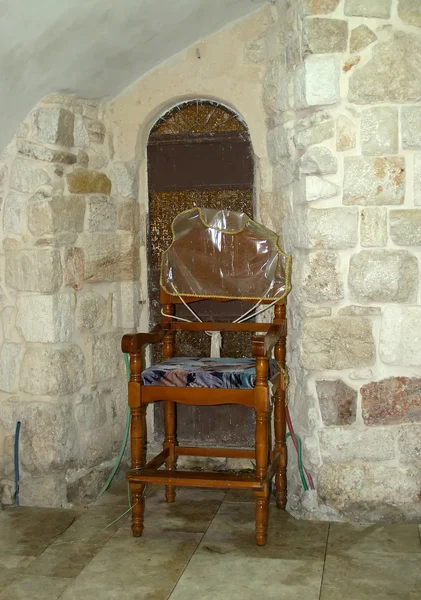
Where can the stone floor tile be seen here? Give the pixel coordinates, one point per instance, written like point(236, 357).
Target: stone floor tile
point(11, 565)
point(28, 531)
point(232, 533)
point(347, 538)
point(240, 577)
point(372, 575)
point(89, 528)
point(135, 568)
point(64, 560)
point(192, 511)
point(34, 588)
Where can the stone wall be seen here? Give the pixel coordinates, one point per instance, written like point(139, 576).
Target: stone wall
point(69, 290)
point(345, 143)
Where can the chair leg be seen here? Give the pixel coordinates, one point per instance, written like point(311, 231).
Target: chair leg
point(280, 446)
point(137, 493)
point(262, 516)
point(170, 442)
point(137, 442)
point(262, 496)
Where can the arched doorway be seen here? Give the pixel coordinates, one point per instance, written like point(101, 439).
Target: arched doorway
point(199, 154)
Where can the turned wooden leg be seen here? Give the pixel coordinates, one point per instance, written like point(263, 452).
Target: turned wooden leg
point(137, 492)
point(262, 449)
point(170, 442)
point(137, 440)
point(262, 516)
point(279, 413)
point(280, 447)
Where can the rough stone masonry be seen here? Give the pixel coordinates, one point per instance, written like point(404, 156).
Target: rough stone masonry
point(342, 97)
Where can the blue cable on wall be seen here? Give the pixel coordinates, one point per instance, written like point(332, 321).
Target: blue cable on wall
point(16, 459)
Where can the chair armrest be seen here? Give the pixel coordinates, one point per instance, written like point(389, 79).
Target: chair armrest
point(134, 342)
point(263, 344)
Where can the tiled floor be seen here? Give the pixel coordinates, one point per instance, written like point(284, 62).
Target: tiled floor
point(200, 548)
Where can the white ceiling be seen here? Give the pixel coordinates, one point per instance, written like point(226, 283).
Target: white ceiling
point(94, 48)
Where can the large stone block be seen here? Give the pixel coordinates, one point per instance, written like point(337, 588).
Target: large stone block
point(319, 278)
point(379, 130)
point(50, 215)
point(48, 439)
point(374, 181)
point(373, 8)
point(90, 411)
point(405, 227)
point(383, 276)
point(43, 490)
point(27, 176)
point(14, 213)
point(91, 311)
point(47, 319)
point(96, 446)
point(338, 402)
point(359, 311)
point(110, 257)
point(80, 132)
point(318, 161)
point(410, 12)
point(411, 127)
point(314, 134)
point(114, 394)
point(357, 487)
point(34, 270)
point(325, 35)
point(83, 181)
point(399, 336)
point(316, 82)
point(417, 179)
point(332, 227)
point(128, 215)
point(346, 134)
point(319, 7)
point(409, 445)
point(350, 443)
point(52, 371)
point(125, 306)
point(278, 143)
point(54, 126)
point(39, 152)
point(9, 367)
point(337, 343)
point(313, 188)
point(104, 356)
point(96, 131)
point(102, 213)
point(361, 37)
point(373, 229)
point(74, 267)
point(125, 174)
point(392, 400)
point(375, 82)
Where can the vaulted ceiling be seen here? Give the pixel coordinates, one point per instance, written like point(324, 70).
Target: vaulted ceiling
point(94, 48)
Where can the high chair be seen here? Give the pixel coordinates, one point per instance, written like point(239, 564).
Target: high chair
point(222, 256)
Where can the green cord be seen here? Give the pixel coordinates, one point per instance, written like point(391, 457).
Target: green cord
point(300, 461)
point(126, 437)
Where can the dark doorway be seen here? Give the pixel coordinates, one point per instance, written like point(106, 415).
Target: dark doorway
point(199, 154)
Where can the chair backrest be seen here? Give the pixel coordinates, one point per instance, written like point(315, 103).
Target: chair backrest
point(222, 256)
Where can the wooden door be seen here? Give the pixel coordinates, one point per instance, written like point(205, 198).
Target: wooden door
point(199, 154)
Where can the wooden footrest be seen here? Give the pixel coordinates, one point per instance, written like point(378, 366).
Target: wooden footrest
point(195, 479)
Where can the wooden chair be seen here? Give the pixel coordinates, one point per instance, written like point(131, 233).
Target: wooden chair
point(145, 388)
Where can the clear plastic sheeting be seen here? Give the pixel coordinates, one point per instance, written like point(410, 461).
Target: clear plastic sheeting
point(224, 254)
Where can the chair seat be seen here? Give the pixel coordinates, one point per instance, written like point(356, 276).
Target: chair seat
point(225, 373)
